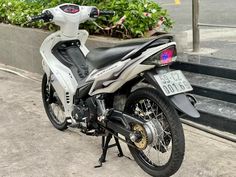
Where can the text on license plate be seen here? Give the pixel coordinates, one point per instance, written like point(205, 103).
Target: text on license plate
point(173, 83)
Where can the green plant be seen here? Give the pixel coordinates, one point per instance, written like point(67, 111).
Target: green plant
point(16, 12)
point(136, 24)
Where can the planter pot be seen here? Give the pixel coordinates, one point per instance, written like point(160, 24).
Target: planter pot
point(19, 47)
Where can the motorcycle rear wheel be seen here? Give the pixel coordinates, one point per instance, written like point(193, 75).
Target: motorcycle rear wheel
point(173, 135)
point(50, 106)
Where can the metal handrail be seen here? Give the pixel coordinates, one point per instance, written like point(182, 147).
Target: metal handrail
point(216, 25)
point(196, 25)
point(195, 20)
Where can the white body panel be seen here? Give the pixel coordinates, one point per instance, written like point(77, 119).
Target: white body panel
point(134, 68)
point(62, 78)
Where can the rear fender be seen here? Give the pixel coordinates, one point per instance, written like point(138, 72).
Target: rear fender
point(180, 101)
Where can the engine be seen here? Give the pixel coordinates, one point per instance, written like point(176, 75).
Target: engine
point(85, 114)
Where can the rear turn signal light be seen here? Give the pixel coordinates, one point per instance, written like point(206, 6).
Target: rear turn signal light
point(164, 57)
point(167, 56)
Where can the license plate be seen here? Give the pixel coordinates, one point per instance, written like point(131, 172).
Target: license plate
point(173, 83)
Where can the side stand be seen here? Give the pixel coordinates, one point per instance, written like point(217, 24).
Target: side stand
point(106, 146)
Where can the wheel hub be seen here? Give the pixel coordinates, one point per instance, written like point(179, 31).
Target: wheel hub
point(155, 131)
point(149, 133)
point(139, 136)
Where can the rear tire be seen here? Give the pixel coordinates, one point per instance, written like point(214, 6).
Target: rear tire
point(63, 125)
point(177, 136)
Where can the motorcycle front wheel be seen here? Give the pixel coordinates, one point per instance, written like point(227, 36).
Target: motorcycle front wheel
point(53, 106)
point(164, 156)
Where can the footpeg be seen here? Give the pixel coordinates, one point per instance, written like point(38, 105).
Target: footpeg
point(77, 125)
point(89, 132)
point(72, 123)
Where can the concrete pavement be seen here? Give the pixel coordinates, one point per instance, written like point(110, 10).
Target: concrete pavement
point(31, 147)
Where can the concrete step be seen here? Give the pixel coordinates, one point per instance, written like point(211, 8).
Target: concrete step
point(217, 114)
point(206, 69)
point(214, 84)
point(208, 61)
point(213, 87)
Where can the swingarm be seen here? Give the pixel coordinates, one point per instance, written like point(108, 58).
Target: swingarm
point(121, 123)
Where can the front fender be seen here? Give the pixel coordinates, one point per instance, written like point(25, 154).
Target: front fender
point(180, 101)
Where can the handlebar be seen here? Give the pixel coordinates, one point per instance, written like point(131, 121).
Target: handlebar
point(46, 16)
point(37, 18)
point(96, 13)
point(106, 12)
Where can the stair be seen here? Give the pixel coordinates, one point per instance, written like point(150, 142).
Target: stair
point(217, 114)
point(213, 87)
point(214, 84)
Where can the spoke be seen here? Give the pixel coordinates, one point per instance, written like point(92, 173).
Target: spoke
point(153, 111)
point(161, 120)
point(149, 110)
point(141, 104)
point(145, 105)
point(149, 150)
point(57, 111)
point(157, 108)
point(53, 107)
point(163, 145)
point(60, 116)
point(167, 134)
point(160, 115)
point(138, 111)
point(159, 153)
point(164, 126)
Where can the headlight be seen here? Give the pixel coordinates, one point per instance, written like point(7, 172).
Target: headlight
point(163, 57)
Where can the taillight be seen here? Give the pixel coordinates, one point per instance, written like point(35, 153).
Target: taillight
point(164, 57)
point(167, 56)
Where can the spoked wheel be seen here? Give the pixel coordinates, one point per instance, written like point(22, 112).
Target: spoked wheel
point(160, 148)
point(53, 106)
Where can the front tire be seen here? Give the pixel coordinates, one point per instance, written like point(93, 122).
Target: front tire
point(51, 102)
point(171, 123)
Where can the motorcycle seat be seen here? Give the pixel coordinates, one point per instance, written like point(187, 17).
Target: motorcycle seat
point(101, 57)
point(104, 56)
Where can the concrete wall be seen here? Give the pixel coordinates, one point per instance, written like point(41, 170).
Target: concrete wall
point(19, 47)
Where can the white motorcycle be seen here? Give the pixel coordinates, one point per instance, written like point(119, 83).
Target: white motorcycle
point(127, 92)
